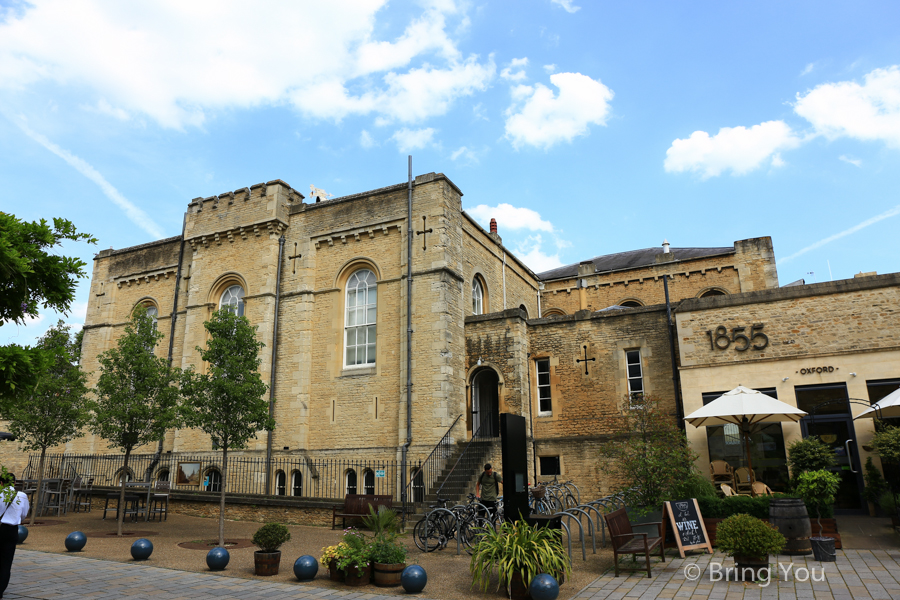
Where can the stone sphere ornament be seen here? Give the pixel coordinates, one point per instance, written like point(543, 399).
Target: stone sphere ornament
point(75, 541)
point(544, 587)
point(306, 567)
point(413, 579)
point(23, 534)
point(217, 559)
point(141, 549)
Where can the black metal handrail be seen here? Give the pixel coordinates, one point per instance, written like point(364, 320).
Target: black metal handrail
point(423, 478)
point(456, 481)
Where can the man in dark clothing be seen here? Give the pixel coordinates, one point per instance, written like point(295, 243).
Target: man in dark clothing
point(487, 487)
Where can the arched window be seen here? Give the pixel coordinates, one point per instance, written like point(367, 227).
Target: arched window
point(554, 312)
point(127, 475)
point(233, 300)
point(350, 480)
point(359, 325)
point(213, 481)
point(296, 483)
point(630, 303)
point(712, 292)
point(153, 313)
point(369, 482)
point(524, 309)
point(163, 475)
point(280, 483)
point(477, 297)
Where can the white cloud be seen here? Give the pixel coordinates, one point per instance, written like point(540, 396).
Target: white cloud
point(550, 69)
point(366, 140)
point(892, 212)
point(809, 69)
point(853, 161)
point(530, 251)
point(566, 4)
point(180, 61)
point(413, 139)
point(738, 149)
point(466, 155)
point(869, 112)
point(134, 214)
point(519, 75)
point(510, 217)
point(542, 119)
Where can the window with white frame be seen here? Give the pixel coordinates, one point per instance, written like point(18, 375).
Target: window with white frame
point(350, 480)
point(477, 297)
point(635, 373)
point(296, 483)
point(545, 403)
point(359, 325)
point(280, 483)
point(369, 482)
point(153, 313)
point(233, 300)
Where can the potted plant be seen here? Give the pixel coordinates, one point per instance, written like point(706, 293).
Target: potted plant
point(887, 502)
point(269, 538)
point(817, 488)
point(750, 541)
point(886, 444)
point(519, 552)
point(649, 454)
point(354, 560)
point(388, 556)
point(875, 485)
point(330, 556)
point(810, 454)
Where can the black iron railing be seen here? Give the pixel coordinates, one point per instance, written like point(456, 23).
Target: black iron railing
point(457, 481)
point(424, 478)
point(297, 476)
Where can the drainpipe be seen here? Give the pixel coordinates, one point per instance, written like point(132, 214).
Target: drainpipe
point(272, 368)
point(504, 280)
point(676, 384)
point(409, 244)
point(539, 290)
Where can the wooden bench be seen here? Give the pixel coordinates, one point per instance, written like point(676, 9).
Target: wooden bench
point(357, 505)
point(626, 541)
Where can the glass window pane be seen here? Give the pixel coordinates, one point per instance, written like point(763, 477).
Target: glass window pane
point(635, 386)
point(351, 298)
point(544, 393)
point(370, 353)
point(634, 370)
point(351, 355)
point(371, 315)
point(351, 317)
point(543, 378)
point(371, 336)
point(633, 356)
point(351, 337)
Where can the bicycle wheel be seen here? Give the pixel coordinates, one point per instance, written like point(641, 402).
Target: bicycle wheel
point(472, 532)
point(427, 535)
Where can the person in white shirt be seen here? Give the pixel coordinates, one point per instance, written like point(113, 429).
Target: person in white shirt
point(10, 518)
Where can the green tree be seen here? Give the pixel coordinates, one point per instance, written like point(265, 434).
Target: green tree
point(55, 409)
point(810, 454)
point(648, 453)
point(30, 277)
point(227, 401)
point(137, 399)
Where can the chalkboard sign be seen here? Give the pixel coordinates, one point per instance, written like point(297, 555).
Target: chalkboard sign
point(687, 524)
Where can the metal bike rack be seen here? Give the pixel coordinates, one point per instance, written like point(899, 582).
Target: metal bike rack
point(590, 526)
point(598, 523)
point(581, 530)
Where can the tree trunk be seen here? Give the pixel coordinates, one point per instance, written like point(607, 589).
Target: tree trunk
point(222, 496)
point(121, 508)
point(40, 481)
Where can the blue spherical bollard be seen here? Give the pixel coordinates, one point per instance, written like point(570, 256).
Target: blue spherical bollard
point(75, 541)
point(141, 549)
point(544, 587)
point(306, 567)
point(23, 534)
point(413, 579)
point(217, 559)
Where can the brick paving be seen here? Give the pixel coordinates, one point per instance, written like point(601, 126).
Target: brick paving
point(856, 574)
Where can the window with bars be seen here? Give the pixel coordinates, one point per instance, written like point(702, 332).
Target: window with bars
point(545, 402)
point(359, 325)
point(635, 373)
point(213, 481)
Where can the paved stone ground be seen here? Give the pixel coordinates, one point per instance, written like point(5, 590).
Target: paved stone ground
point(63, 577)
point(856, 574)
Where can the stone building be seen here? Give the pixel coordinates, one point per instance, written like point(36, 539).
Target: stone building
point(564, 348)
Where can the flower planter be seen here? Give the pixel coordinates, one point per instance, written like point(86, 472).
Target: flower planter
point(266, 563)
point(356, 576)
point(335, 574)
point(387, 575)
point(517, 589)
point(750, 568)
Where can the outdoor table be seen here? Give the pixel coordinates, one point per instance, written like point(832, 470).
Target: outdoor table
point(129, 498)
point(146, 503)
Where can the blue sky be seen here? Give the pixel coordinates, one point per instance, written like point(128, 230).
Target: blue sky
point(585, 128)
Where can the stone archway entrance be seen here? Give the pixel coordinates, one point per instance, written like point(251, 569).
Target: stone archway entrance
point(486, 403)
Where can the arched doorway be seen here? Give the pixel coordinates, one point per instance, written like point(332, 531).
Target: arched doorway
point(486, 403)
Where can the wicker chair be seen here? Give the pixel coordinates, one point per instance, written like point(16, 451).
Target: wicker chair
point(760, 489)
point(743, 480)
point(721, 472)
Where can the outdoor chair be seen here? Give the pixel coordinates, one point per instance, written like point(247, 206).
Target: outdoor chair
point(56, 496)
point(727, 490)
point(760, 489)
point(73, 492)
point(626, 541)
point(743, 480)
point(159, 500)
point(721, 472)
point(82, 496)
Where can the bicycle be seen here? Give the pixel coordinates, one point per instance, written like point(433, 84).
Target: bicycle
point(440, 525)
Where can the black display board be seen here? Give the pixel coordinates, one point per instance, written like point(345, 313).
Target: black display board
point(687, 524)
point(514, 451)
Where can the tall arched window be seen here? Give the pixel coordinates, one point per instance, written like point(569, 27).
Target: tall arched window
point(213, 481)
point(280, 483)
point(477, 297)
point(296, 483)
point(233, 300)
point(359, 326)
point(153, 313)
point(350, 479)
point(369, 482)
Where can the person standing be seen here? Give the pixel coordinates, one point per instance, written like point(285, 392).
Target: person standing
point(487, 488)
point(10, 519)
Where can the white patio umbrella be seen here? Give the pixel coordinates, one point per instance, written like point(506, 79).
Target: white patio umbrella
point(889, 406)
point(744, 407)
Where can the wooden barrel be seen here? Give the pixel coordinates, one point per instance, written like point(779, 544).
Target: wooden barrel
point(266, 563)
point(790, 517)
point(387, 574)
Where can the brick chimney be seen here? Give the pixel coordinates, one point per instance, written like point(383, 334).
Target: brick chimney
point(494, 233)
point(493, 225)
